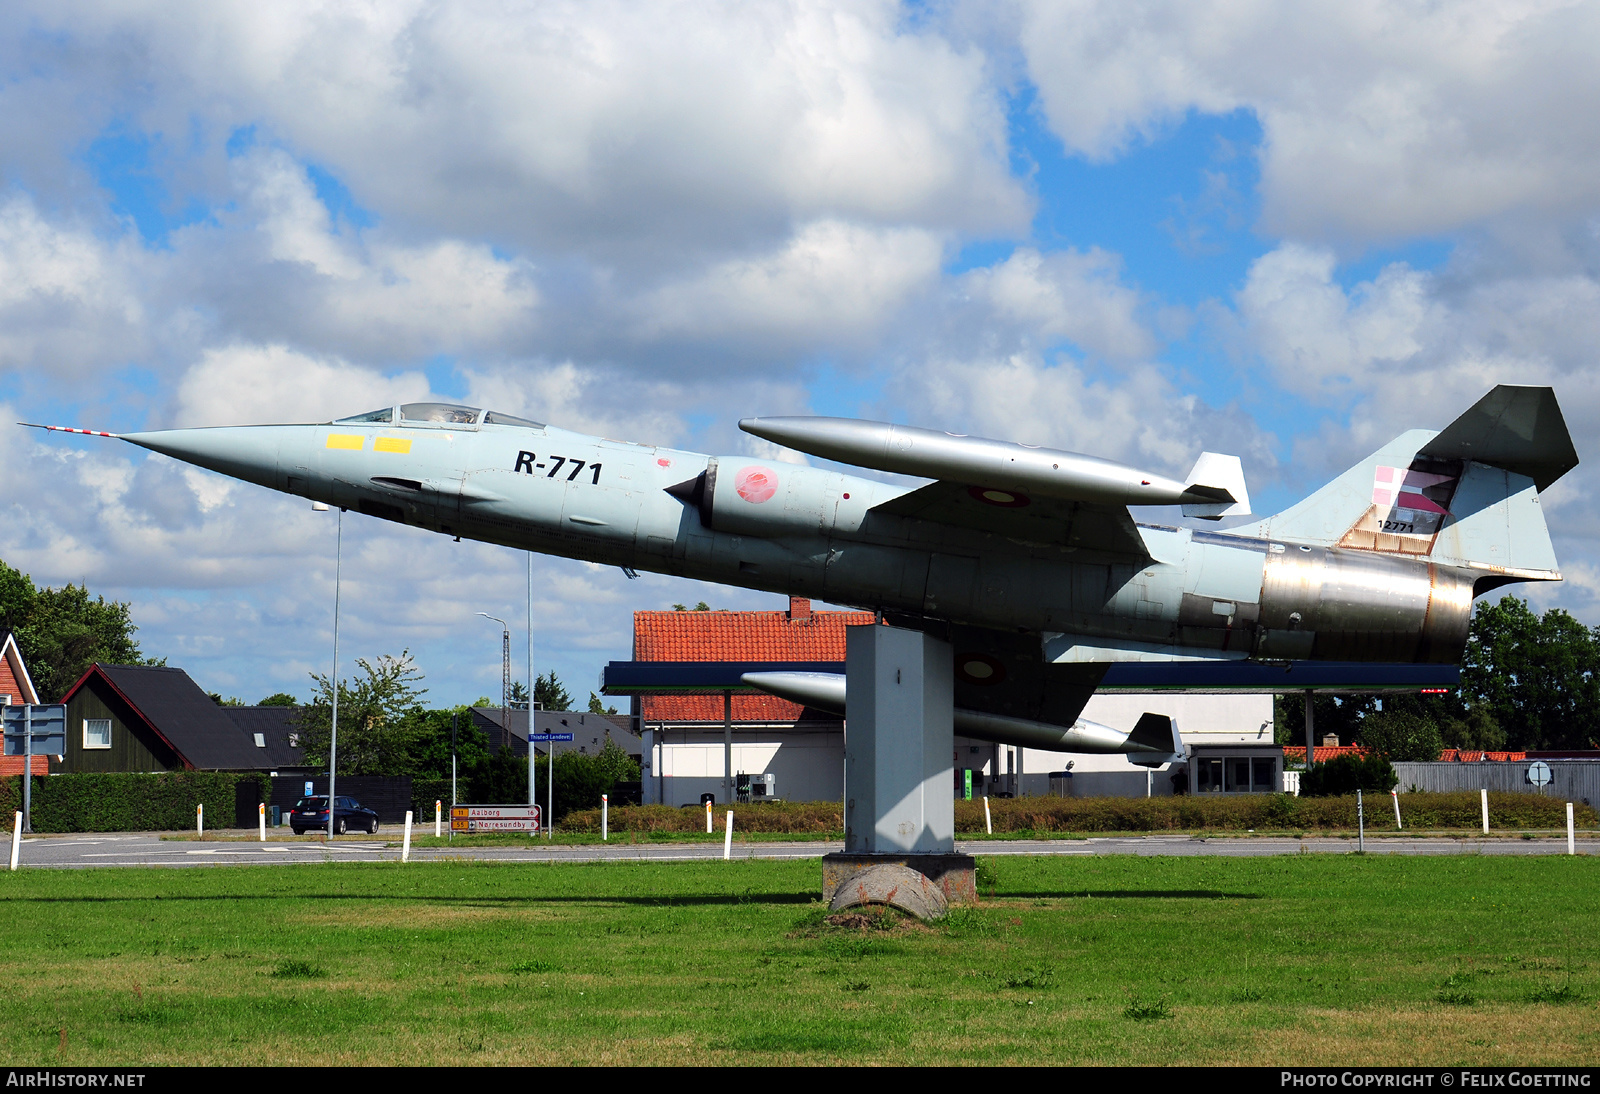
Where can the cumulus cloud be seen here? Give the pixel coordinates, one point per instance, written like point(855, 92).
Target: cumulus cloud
point(68, 301)
point(600, 126)
point(1381, 120)
point(263, 385)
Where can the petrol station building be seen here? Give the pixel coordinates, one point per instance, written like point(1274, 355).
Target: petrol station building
point(703, 729)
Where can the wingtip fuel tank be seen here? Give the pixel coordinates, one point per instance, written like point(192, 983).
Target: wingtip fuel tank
point(985, 463)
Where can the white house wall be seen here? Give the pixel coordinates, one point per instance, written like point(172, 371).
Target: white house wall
point(683, 763)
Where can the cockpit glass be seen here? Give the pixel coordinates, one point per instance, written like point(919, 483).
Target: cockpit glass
point(447, 413)
point(384, 415)
point(494, 417)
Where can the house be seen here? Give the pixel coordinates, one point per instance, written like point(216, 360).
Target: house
point(16, 686)
point(150, 718)
point(590, 732)
point(699, 739)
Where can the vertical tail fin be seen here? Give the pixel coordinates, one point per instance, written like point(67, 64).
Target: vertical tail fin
point(1467, 496)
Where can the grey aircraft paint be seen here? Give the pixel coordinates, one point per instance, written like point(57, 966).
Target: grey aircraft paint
point(1025, 558)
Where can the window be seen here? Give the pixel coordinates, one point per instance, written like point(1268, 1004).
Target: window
point(97, 733)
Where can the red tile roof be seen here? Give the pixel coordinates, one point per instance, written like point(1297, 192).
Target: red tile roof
point(798, 634)
point(1324, 753)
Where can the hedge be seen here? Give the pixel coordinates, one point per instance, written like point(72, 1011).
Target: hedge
point(129, 802)
point(1262, 812)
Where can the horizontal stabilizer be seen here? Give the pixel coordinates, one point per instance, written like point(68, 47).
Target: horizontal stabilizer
point(1517, 429)
point(1220, 477)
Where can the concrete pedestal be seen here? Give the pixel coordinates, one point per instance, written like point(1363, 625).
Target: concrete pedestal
point(898, 767)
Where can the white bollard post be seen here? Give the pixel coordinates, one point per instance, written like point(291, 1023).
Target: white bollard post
point(727, 838)
point(1485, 799)
point(1361, 825)
point(200, 820)
point(405, 848)
point(438, 816)
point(708, 818)
point(261, 820)
point(1396, 796)
point(988, 821)
point(16, 837)
point(1572, 845)
point(605, 817)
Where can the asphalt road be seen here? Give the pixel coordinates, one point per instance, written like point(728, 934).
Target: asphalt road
point(150, 850)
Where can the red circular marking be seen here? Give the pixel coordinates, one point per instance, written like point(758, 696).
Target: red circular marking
point(993, 495)
point(664, 462)
point(847, 497)
point(755, 484)
point(979, 668)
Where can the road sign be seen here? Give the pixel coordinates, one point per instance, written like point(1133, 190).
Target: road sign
point(1539, 773)
point(49, 725)
point(552, 737)
point(494, 818)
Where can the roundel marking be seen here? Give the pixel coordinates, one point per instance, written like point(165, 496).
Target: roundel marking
point(991, 495)
point(979, 668)
point(664, 462)
point(755, 484)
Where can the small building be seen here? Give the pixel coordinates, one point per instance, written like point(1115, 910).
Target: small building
point(154, 718)
point(16, 686)
point(590, 731)
point(689, 737)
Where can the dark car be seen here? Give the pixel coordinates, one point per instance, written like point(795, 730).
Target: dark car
point(312, 814)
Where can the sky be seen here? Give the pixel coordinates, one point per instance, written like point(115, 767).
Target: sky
point(1135, 230)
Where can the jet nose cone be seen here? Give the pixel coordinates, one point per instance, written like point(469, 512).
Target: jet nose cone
point(244, 452)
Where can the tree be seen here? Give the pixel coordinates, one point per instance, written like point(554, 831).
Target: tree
point(380, 719)
point(61, 632)
point(597, 707)
point(279, 699)
point(231, 701)
point(1337, 714)
point(519, 695)
point(549, 694)
point(1401, 735)
point(1536, 676)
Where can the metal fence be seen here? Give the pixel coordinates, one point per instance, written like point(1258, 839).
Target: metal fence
point(1571, 780)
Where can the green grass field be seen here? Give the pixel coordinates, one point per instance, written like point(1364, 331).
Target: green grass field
point(1297, 960)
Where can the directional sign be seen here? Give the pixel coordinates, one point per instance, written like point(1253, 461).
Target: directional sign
point(552, 737)
point(1539, 773)
point(49, 725)
point(494, 818)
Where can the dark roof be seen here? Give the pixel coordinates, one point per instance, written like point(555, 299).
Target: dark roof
point(275, 724)
point(174, 707)
point(589, 731)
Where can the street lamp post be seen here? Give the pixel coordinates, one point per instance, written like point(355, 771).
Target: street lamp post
point(505, 683)
point(333, 739)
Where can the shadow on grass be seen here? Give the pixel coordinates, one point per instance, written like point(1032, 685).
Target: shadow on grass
point(486, 901)
point(1133, 894)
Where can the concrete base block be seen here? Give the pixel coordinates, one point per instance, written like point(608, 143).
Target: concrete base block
point(895, 885)
point(953, 875)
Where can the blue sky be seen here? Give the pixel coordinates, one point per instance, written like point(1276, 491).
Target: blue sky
point(1245, 240)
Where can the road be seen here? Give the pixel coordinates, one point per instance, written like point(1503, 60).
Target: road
point(139, 849)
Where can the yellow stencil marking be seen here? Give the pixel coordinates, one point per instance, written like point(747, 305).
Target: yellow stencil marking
point(345, 440)
point(401, 445)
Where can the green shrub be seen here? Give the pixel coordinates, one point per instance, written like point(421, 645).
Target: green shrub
point(130, 801)
point(1348, 773)
point(1193, 812)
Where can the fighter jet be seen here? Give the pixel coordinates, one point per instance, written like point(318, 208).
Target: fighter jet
point(1026, 559)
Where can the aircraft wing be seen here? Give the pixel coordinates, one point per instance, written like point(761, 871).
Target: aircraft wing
point(1006, 674)
point(1029, 518)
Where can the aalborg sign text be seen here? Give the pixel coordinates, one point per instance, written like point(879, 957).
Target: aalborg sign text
point(494, 818)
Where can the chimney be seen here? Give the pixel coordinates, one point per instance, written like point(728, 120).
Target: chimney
point(799, 609)
point(1330, 740)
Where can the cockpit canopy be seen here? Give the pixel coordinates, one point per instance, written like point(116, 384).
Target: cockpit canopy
point(438, 414)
